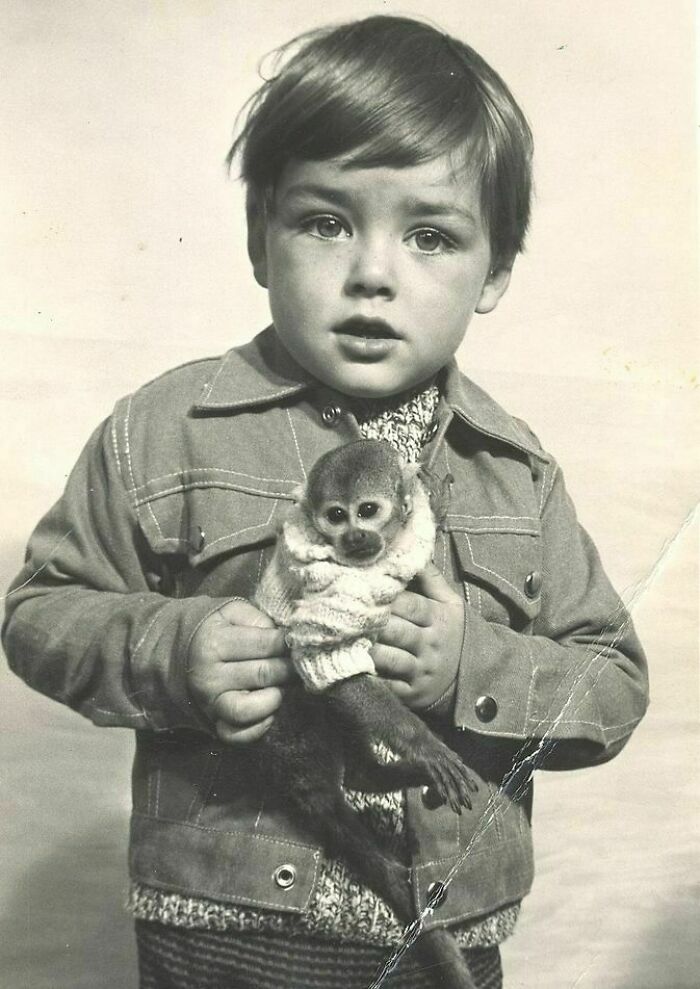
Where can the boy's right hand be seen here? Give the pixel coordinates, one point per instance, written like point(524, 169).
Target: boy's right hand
point(238, 660)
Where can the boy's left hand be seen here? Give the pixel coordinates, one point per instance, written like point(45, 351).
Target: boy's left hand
point(418, 650)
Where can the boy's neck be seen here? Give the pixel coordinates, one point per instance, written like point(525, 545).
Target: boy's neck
point(364, 407)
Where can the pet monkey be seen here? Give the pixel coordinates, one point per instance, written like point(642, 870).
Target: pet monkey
point(361, 529)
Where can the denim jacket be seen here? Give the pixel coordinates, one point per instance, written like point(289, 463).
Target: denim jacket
point(172, 509)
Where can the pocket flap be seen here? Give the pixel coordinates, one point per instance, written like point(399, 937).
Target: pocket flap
point(507, 564)
point(205, 519)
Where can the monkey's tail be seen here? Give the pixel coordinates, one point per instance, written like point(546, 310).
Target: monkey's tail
point(441, 952)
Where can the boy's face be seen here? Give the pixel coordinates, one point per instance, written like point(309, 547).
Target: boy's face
point(374, 273)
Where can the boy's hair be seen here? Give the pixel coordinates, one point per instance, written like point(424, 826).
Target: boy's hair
point(392, 91)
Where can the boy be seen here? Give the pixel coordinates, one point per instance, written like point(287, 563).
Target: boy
point(388, 176)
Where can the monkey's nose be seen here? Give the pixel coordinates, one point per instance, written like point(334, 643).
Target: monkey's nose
point(360, 542)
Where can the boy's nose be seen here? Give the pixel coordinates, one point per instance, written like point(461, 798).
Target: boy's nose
point(371, 272)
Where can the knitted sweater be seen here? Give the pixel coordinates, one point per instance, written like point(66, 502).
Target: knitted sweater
point(333, 612)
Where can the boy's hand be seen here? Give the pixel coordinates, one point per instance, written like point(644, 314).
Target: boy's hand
point(237, 664)
point(419, 648)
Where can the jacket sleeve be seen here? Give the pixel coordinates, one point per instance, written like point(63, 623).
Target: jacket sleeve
point(573, 691)
point(84, 621)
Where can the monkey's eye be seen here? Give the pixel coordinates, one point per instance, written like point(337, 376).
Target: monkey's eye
point(336, 515)
point(367, 510)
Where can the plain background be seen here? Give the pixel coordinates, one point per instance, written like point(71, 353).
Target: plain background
point(123, 254)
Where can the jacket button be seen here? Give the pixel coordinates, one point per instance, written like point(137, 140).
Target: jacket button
point(331, 414)
point(533, 584)
point(486, 708)
point(196, 538)
point(431, 798)
point(285, 876)
point(437, 894)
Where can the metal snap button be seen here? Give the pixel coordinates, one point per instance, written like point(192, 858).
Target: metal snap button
point(430, 798)
point(437, 894)
point(486, 708)
point(285, 876)
point(533, 584)
point(197, 539)
point(331, 414)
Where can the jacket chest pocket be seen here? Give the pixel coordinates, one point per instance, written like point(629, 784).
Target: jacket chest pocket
point(501, 571)
point(209, 538)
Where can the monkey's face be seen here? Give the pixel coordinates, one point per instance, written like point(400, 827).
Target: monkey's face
point(361, 529)
point(358, 497)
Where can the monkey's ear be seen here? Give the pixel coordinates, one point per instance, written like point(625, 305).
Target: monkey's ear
point(299, 494)
point(409, 473)
point(439, 491)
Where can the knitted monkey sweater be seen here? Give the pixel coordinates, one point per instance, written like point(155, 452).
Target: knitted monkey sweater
point(333, 612)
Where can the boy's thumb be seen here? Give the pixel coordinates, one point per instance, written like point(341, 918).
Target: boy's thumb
point(239, 611)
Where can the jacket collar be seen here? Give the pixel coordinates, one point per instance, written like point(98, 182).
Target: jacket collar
point(257, 373)
point(262, 371)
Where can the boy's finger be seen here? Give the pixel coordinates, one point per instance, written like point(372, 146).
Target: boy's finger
point(242, 736)
point(241, 708)
point(401, 633)
point(241, 612)
point(412, 607)
point(431, 584)
point(393, 664)
point(254, 674)
point(234, 643)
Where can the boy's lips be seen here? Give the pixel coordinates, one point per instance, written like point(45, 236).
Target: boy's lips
point(370, 329)
point(366, 339)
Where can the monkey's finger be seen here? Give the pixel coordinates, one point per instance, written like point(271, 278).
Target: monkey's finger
point(242, 736)
point(241, 708)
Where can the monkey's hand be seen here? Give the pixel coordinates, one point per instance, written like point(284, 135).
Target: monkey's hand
point(418, 650)
point(236, 667)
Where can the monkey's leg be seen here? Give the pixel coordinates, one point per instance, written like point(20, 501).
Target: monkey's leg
point(370, 712)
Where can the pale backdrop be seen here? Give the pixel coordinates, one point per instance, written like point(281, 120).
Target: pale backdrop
point(123, 254)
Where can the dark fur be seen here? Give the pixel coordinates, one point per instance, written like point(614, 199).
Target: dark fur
point(317, 742)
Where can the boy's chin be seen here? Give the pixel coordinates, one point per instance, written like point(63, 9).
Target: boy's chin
point(381, 389)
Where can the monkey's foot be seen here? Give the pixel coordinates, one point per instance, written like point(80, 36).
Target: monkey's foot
point(448, 779)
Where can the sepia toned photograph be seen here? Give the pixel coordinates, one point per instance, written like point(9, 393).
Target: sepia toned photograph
point(349, 394)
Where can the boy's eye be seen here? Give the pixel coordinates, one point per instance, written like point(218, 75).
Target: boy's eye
point(429, 241)
point(325, 227)
point(336, 515)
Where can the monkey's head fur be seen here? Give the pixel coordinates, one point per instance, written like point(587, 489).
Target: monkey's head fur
point(358, 497)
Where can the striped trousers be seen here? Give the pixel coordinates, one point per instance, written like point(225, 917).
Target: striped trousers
point(181, 958)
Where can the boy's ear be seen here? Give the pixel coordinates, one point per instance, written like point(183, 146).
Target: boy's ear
point(256, 215)
point(495, 285)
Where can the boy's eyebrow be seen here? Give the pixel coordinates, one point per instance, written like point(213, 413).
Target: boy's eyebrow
point(439, 208)
point(413, 206)
point(314, 189)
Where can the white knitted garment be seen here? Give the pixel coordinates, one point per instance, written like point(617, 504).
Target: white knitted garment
point(334, 612)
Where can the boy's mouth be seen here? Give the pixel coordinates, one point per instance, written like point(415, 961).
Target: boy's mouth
point(366, 329)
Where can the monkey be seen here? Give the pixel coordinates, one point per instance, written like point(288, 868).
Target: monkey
point(361, 528)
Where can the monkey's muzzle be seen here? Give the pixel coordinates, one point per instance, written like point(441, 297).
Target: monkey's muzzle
point(361, 545)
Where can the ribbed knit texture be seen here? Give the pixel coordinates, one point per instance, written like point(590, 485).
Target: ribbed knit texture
point(174, 959)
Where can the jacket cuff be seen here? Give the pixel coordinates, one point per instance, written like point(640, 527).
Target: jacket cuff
point(160, 664)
